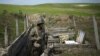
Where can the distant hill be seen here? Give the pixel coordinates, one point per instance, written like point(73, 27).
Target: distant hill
point(55, 9)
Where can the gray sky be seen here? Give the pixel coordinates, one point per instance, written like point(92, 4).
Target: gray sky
point(33, 2)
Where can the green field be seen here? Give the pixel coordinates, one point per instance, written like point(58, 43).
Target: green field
point(51, 9)
point(55, 9)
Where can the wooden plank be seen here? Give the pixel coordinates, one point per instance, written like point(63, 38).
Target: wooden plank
point(80, 37)
point(96, 33)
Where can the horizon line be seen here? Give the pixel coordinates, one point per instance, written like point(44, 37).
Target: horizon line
point(53, 3)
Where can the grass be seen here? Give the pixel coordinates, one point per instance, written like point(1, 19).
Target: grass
point(56, 9)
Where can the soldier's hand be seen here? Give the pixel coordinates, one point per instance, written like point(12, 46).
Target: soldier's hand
point(36, 44)
point(38, 38)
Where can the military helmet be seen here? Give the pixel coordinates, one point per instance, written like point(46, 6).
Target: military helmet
point(36, 19)
point(40, 21)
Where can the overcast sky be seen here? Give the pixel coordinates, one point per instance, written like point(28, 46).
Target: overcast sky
point(33, 2)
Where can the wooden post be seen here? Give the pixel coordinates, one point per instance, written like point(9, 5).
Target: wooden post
point(74, 22)
point(96, 33)
point(6, 37)
point(25, 23)
point(17, 28)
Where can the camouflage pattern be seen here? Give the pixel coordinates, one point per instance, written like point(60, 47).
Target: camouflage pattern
point(38, 37)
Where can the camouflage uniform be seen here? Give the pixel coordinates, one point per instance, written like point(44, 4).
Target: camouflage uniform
point(38, 38)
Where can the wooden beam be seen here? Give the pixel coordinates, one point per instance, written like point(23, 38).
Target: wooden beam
point(96, 33)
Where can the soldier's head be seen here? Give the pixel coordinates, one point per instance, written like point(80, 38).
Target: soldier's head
point(36, 19)
point(40, 23)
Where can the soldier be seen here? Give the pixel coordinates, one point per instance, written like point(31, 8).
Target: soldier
point(38, 37)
